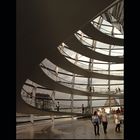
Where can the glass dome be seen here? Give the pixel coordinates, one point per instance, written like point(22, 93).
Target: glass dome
point(103, 87)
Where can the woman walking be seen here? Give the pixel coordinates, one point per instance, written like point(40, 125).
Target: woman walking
point(96, 121)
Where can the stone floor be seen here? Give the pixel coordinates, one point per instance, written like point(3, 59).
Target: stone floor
point(66, 129)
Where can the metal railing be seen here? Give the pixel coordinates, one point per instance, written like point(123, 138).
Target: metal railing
point(51, 105)
point(47, 104)
point(84, 66)
point(51, 73)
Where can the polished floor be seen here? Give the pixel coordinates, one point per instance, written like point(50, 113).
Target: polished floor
point(66, 129)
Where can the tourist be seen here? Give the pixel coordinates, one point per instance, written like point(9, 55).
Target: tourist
point(117, 122)
point(104, 120)
point(58, 106)
point(96, 121)
point(83, 109)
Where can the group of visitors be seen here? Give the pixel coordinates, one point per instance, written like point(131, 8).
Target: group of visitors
point(101, 118)
point(117, 90)
point(121, 111)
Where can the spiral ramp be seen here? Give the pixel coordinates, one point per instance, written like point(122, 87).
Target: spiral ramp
point(45, 33)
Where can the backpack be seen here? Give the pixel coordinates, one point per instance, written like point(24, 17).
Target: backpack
point(95, 119)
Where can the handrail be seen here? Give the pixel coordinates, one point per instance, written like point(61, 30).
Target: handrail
point(87, 61)
point(89, 45)
point(66, 82)
point(84, 65)
point(40, 104)
point(102, 30)
point(52, 105)
point(77, 34)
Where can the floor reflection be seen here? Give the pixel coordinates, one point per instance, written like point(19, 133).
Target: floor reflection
point(68, 129)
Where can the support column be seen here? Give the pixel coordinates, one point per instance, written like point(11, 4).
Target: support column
point(34, 95)
point(52, 121)
point(53, 92)
point(71, 103)
point(53, 100)
point(90, 84)
point(72, 96)
point(89, 97)
point(109, 80)
point(91, 63)
point(109, 63)
point(32, 118)
point(73, 81)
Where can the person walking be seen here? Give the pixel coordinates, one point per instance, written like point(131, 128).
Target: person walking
point(104, 120)
point(96, 121)
point(117, 122)
point(58, 106)
point(83, 109)
point(119, 90)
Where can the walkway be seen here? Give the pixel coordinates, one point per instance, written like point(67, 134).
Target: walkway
point(66, 129)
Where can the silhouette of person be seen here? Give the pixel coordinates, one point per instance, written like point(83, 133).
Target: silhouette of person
point(83, 109)
point(58, 106)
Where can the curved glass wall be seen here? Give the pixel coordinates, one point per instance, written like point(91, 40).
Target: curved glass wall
point(73, 103)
